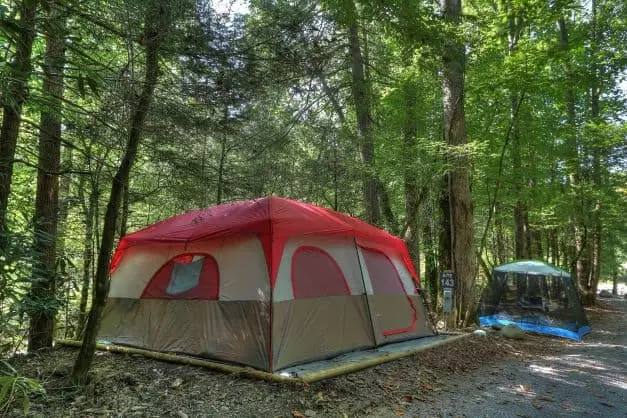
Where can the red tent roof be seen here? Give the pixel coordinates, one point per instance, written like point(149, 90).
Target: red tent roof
point(273, 219)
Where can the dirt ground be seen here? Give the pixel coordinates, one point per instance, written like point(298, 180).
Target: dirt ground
point(475, 377)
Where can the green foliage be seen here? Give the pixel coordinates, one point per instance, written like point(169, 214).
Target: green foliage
point(261, 103)
point(16, 389)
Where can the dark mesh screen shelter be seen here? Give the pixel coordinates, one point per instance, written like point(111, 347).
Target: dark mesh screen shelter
point(535, 296)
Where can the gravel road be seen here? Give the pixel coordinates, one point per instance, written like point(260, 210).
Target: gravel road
point(559, 379)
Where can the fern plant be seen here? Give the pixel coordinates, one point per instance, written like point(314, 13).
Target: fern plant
point(15, 388)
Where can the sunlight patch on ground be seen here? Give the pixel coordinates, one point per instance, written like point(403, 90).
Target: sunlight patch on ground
point(616, 382)
point(543, 370)
point(520, 390)
point(575, 360)
point(605, 345)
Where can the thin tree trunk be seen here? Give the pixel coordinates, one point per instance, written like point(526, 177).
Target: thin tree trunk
point(431, 269)
point(595, 113)
point(124, 210)
point(521, 239)
point(553, 244)
point(12, 102)
point(386, 208)
point(412, 199)
point(501, 242)
point(362, 99)
point(156, 25)
point(464, 257)
point(87, 209)
point(222, 162)
point(65, 181)
point(580, 258)
point(445, 242)
point(42, 292)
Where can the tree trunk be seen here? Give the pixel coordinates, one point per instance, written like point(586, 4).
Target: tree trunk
point(124, 210)
point(87, 209)
point(12, 103)
point(156, 25)
point(386, 208)
point(362, 99)
point(431, 269)
point(553, 244)
point(445, 242)
point(65, 182)
point(502, 253)
point(521, 239)
point(42, 292)
point(595, 113)
point(411, 187)
point(223, 155)
point(464, 257)
point(581, 239)
point(591, 270)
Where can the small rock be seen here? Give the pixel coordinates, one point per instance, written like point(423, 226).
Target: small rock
point(181, 414)
point(177, 382)
point(480, 333)
point(310, 413)
point(513, 332)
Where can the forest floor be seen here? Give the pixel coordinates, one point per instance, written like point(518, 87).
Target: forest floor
point(476, 376)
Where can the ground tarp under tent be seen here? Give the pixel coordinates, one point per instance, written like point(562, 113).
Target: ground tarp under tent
point(268, 283)
point(535, 296)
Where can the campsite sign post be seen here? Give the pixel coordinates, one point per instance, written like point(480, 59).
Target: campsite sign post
point(447, 283)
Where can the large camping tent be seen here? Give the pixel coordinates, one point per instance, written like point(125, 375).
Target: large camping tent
point(268, 283)
point(535, 296)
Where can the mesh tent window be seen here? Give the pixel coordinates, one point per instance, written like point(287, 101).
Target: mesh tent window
point(186, 276)
point(316, 274)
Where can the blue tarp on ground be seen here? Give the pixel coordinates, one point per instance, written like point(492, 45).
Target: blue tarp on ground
point(538, 324)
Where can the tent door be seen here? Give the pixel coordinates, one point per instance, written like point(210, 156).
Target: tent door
point(392, 310)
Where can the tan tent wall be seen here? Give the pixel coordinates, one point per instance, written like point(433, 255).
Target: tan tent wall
point(315, 328)
point(230, 331)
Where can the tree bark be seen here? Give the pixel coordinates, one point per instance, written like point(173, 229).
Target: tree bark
point(65, 181)
point(156, 25)
point(12, 103)
point(42, 292)
point(521, 232)
point(124, 210)
point(431, 269)
point(362, 99)
point(595, 113)
point(222, 161)
point(410, 181)
point(445, 241)
point(87, 209)
point(464, 257)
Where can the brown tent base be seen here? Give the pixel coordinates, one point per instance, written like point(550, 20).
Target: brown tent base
point(302, 374)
